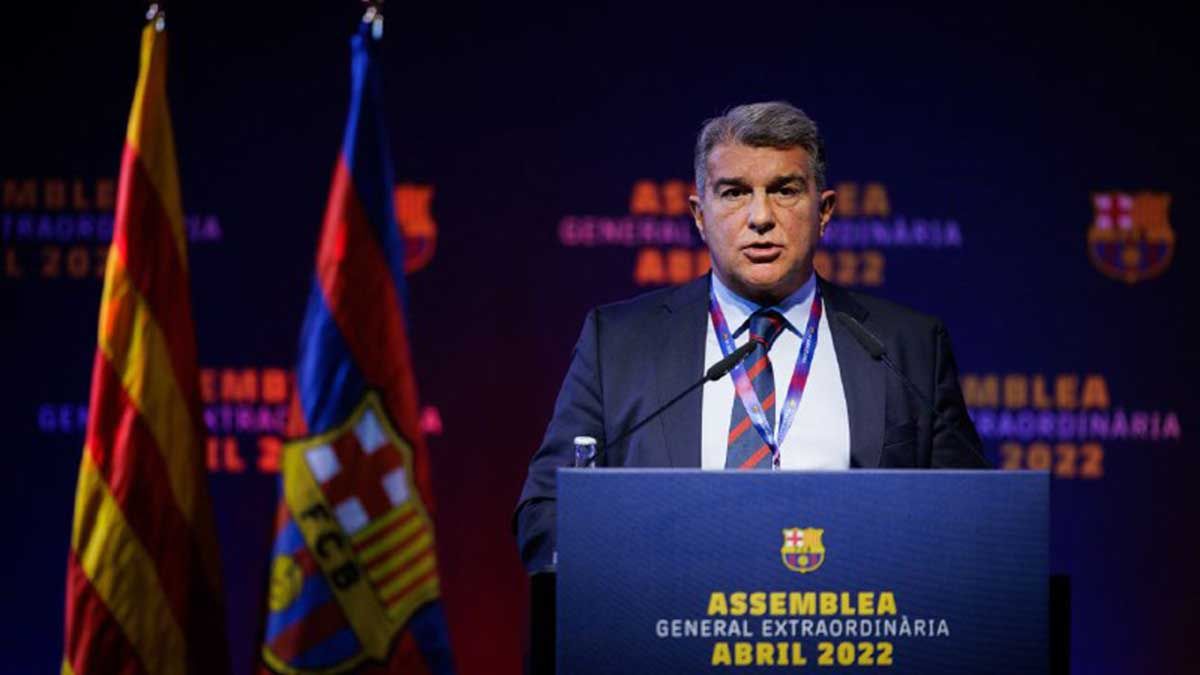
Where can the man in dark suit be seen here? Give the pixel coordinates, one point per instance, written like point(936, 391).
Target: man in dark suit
point(761, 207)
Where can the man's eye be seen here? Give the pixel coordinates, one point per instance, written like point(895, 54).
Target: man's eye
point(732, 193)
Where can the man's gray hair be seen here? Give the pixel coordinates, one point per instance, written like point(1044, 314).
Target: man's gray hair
point(775, 124)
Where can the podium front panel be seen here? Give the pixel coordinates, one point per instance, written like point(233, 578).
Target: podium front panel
point(665, 571)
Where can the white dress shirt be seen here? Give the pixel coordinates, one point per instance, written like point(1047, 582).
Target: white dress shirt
point(820, 433)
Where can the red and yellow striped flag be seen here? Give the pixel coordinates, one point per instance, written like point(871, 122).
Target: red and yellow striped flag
point(143, 574)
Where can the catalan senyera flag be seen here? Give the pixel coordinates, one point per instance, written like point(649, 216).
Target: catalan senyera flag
point(144, 591)
point(354, 583)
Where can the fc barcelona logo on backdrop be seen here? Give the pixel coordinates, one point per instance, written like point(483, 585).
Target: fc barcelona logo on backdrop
point(1130, 238)
point(357, 557)
point(802, 549)
point(414, 217)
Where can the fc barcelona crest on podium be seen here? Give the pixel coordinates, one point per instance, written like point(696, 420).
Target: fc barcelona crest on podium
point(802, 549)
point(362, 558)
point(1130, 238)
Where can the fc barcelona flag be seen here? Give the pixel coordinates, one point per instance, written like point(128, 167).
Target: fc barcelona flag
point(143, 577)
point(354, 580)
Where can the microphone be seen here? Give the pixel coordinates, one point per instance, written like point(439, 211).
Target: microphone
point(869, 342)
point(717, 371)
point(874, 347)
point(722, 367)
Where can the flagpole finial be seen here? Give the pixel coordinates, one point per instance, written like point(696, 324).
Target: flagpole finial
point(374, 16)
point(157, 14)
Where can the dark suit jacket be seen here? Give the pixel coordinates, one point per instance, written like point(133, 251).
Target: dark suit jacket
point(633, 356)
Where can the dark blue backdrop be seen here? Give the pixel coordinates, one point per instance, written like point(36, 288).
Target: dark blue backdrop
point(998, 124)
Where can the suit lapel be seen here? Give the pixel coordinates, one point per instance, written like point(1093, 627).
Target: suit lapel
point(679, 363)
point(862, 379)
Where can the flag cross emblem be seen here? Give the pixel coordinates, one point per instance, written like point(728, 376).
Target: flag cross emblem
point(362, 558)
point(361, 474)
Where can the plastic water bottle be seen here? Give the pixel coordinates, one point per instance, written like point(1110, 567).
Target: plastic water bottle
point(585, 452)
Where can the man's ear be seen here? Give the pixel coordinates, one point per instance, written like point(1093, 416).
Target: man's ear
point(828, 202)
point(697, 215)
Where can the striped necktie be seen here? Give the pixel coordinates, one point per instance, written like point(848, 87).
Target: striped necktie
point(747, 450)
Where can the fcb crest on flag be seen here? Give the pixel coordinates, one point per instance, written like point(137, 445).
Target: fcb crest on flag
point(363, 543)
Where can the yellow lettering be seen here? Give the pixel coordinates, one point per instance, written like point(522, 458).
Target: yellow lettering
point(12, 268)
point(20, 194)
point(649, 268)
point(54, 194)
point(717, 605)
point(274, 385)
point(269, 448)
point(1037, 457)
point(1093, 461)
point(1011, 452)
point(211, 460)
point(847, 200)
point(737, 603)
point(208, 385)
point(644, 199)
point(802, 603)
point(847, 608)
point(798, 658)
point(720, 655)
point(51, 262)
point(1016, 391)
point(675, 198)
point(828, 602)
point(764, 654)
point(847, 268)
point(778, 603)
point(1095, 392)
point(981, 391)
point(105, 192)
point(866, 603)
point(79, 200)
point(875, 200)
point(679, 265)
point(758, 604)
point(239, 386)
point(231, 459)
point(743, 654)
point(887, 603)
point(1041, 397)
point(1065, 387)
point(77, 262)
point(872, 268)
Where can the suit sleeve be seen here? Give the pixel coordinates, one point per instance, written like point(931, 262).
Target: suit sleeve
point(951, 450)
point(577, 412)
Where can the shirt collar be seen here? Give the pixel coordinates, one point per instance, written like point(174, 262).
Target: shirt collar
point(737, 310)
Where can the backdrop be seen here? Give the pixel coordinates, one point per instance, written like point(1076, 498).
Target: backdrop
point(1024, 174)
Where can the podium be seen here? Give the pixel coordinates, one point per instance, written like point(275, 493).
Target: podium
point(686, 571)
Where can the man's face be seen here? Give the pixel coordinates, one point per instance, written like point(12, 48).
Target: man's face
point(761, 215)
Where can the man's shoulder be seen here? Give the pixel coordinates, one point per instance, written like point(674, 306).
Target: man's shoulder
point(880, 312)
point(653, 303)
